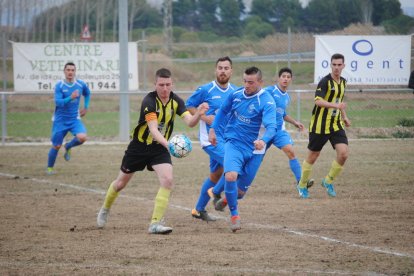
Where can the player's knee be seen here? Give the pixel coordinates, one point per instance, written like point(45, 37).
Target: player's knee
point(231, 176)
point(291, 154)
point(342, 157)
point(167, 182)
point(57, 147)
point(82, 138)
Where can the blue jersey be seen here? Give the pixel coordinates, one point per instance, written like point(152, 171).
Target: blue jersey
point(282, 101)
point(67, 109)
point(247, 115)
point(214, 95)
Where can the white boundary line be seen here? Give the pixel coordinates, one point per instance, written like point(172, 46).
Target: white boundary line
point(256, 225)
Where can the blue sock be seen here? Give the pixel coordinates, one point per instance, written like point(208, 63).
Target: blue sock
point(219, 187)
point(295, 168)
point(73, 143)
point(230, 189)
point(52, 157)
point(204, 197)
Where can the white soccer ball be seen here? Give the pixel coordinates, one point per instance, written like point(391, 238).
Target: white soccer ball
point(180, 146)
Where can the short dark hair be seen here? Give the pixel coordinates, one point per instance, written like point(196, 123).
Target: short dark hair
point(338, 56)
point(285, 69)
point(69, 64)
point(254, 71)
point(163, 73)
point(226, 58)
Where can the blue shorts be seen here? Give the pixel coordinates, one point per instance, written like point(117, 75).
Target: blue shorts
point(281, 139)
point(249, 172)
point(61, 128)
point(216, 154)
point(242, 161)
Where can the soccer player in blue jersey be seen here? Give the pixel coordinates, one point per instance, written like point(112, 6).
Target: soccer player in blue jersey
point(67, 116)
point(251, 126)
point(282, 139)
point(214, 93)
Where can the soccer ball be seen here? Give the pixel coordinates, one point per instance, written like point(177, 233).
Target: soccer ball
point(180, 146)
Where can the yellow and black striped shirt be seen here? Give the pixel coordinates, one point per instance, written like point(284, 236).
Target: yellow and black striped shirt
point(326, 120)
point(152, 108)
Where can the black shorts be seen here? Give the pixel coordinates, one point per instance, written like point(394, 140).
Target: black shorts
point(139, 155)
point(317, 141)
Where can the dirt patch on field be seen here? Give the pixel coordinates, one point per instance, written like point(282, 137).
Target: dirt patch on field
point(48, 223)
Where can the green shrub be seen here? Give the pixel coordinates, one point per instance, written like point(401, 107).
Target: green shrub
point(402, 134)
point(406, 122)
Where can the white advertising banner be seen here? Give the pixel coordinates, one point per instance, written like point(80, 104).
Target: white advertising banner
point(369, 60)
point(38, 66)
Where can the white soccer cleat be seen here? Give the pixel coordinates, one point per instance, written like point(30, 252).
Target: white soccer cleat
point(159, 228)
point(102, 217)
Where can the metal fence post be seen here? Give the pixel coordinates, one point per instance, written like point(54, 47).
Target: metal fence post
point(298, 114)
point(123, 72)
point(3, 96)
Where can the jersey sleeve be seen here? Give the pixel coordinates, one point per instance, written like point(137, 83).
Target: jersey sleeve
point(321, 89)
point(269, 118)
point(196, 98)
point(86, 92)
point(181, 108)
point(148, 105)
point(60, 101)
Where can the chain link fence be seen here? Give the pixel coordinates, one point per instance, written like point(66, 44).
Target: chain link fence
point(376, 112)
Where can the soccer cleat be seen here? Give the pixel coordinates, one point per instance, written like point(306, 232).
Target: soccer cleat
point(50, 171)
point(310, 183)
point(216, 199)
point(203, 215)
point(102, 217)
point(67, 154)
point(303, 192)
point(220, 204)
point(329, 188)
point(235, 223)
point(159, 228)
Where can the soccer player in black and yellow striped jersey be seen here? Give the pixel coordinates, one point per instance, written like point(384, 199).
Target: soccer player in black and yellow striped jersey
point(149, 148)
point(327, 124)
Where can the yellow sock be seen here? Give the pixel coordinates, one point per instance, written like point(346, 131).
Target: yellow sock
point(110, 197)
point(306, 173)
point(335, 170)
point(161, 203)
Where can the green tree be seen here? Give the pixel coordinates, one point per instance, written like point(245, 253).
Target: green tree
point(207, 14)
point(350, 12)
point(385, 10)
point(185, 14)
point(229, 14)
point(402, 24)
point(280, 13)
point(265, 9)
point(321, 16)
point(257, 28)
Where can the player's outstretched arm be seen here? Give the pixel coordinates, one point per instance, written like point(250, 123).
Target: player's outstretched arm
point(192, 120)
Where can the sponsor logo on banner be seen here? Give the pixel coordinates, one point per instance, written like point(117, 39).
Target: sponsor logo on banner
point(369, 60)
point(38, 66)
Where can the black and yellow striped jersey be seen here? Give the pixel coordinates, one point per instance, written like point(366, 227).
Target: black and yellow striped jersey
point(152, 108)
point(327, 120)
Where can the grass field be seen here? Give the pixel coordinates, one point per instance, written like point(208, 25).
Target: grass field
point(375, 115)
point(48, 223)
